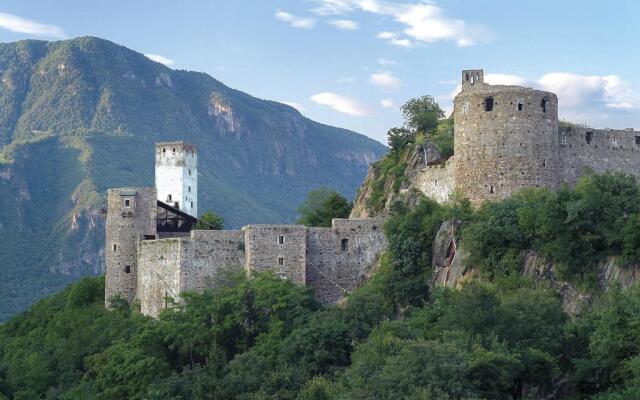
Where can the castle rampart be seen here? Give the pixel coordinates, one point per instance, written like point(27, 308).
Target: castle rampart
point(505, 139)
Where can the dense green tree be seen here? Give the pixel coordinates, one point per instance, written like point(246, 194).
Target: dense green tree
point(421, 114)
point(210, 221)
point(321, 206)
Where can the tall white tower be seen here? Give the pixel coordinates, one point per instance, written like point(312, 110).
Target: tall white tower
point(177, 176)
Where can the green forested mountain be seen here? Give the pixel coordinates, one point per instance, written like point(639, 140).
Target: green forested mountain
point(499, 336)
point(82, 115)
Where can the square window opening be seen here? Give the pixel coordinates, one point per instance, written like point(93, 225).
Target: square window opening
point(280, 261)
point(127, 269)
point(344, 245)
point(281, 239)
point(519, 106)
point(127, 203)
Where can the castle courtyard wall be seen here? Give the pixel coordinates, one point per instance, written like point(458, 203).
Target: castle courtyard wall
point(158, 274)
point(339, 257)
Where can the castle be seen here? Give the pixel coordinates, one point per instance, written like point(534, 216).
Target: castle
point(505, 138)
point(154, 252)
point(508, 137)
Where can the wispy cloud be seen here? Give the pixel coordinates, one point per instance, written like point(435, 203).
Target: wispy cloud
point(296, 21)
point(421, 22)
point(386, 103)
point(345, 105)
point(385, 79)
point(18, 24)
point(161, 59)
point(386, 61)
point(345, 24)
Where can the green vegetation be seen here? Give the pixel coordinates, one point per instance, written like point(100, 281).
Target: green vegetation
point(80, 116)
point(210, 221)
point(423, 119)
point(498, 337)
point(321, 206)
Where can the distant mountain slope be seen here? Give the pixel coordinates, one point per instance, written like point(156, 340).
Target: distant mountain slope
point(82, 115)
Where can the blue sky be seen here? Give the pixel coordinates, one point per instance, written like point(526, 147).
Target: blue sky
point(352, 63)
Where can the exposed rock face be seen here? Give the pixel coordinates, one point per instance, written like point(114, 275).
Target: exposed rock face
point(450, 269)
point(424, 164)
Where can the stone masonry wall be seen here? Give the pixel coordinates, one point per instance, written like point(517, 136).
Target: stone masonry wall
point(511, 146)
point(131, 213)
point(605, 150)
point(338, 258)
point(280, 248)
point(168, 267)
point(158, 274)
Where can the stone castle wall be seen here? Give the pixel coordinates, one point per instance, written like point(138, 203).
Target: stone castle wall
point(599, 150)
point(131, 215)
point(436, 181)
point(280, 248)
point(168, 267)
point(338, 258)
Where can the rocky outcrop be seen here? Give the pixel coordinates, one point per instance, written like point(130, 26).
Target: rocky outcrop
point(422, 164)
point(451, 269)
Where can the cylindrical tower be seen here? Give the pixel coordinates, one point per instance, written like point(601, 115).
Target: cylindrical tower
point(131, 215)
point(506, 139)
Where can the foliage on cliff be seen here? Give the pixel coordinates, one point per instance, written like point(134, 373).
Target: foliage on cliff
point(500, 337)
point(82, 115)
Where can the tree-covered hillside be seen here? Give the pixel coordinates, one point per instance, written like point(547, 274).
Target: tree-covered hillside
point(497, 337)
point(82, 115)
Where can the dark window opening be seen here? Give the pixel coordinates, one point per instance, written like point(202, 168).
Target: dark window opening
point(466, 77)
point(344, 245)
point(150, 237)
point(127, 269)
point(127, 203)
point(189, 189)
point(588, 136)
point(281, 239)
point(543, 104)
point(174, 149)
point(638, 140)
point(176, 205)
point(192, 204)
point(519, 106)
point(280, 260)
point(168, 198)
point(189, 172)
point(164, 150)
point(544, 163)
point(491, 189)
point(488, 104)
point(115, 247)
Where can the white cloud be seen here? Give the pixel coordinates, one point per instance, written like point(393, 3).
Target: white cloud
point(386, 103)
point(340, 103)
point(345, 24)
point(386, 61)
point(420, 21)
point(295, 21)
point(17, 24)
point(385, 79)
point(161, 59)
point(504, 79)
point(295, 105)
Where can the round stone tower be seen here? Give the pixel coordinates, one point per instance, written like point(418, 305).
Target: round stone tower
point(131, 217)
point(506, 139)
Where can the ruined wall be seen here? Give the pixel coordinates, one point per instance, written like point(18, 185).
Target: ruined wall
point(338, 258)
point(435, 181)
point(206, 253)
point(281, 248)
point(168, 267)
point(505, 139)
point(131, 213)
point(158, 273)
point(599, 150)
